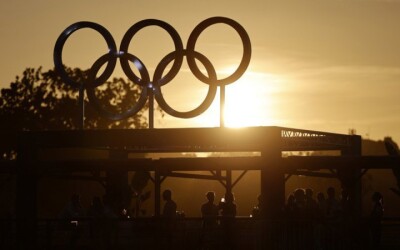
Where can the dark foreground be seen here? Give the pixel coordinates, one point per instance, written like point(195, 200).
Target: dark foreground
point(188, 233)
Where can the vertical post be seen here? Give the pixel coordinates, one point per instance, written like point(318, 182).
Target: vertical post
point(272, 190)
point(222, 106)
point(117, 188)
point(82, 107)
point(272, 184)
point(157, 193)
point(26, 202)
point(151, 107)
point(228, 181)
point(350, 178)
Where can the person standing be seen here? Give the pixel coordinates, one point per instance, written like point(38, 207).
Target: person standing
point(169, 216)
point(228, 212)
point(170, 206)
point(209, 211)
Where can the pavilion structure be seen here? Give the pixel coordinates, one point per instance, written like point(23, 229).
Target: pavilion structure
point(270, 143)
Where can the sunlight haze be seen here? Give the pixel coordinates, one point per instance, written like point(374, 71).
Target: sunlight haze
point(327, 65)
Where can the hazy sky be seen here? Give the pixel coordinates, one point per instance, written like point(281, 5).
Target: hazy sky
point(325, 65)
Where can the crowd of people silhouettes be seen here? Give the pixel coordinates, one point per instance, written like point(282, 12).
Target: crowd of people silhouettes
point(218, 218)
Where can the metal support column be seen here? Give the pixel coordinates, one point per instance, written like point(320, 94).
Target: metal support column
point(157, 193)
point(228, 181)
point(350, 179)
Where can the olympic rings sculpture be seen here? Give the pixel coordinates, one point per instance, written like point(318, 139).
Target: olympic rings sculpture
point(152, 86)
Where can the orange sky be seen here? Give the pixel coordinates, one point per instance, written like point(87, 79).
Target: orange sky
point(325, 65)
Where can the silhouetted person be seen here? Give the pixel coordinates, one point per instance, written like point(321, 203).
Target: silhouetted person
point(169, 210)
point(290, 206)
point(300, 203)
point(311, 204)
point(169, 216)
point(321, 205)
point(376, 219)
point(304, 204)
point(228, 213)
point(209, 211)
point(332, 219)
point(320, 229)
point(332, 204)
point(257, 210)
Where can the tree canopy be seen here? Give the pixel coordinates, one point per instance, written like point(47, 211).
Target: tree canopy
point(40, 100)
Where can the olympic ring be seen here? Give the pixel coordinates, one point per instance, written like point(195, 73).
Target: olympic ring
point(212, 90)
point(90, 90)
point(60, 45)
point(177, 42)
point(192, 43)
point(148, 86)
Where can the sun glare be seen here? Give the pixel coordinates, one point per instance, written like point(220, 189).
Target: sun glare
point(249, 101)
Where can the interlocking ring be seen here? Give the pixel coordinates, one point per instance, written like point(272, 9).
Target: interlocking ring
point(90, 88)
point(178, 49)
point(192, 43)
point(153, 86)
point(58, 48)
point(212, 90)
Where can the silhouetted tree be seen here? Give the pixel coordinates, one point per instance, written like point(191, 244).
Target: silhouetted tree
point(40, 100)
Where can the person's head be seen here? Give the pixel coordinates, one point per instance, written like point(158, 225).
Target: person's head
point(299, 195)
point(210, 196)
point(309, 192)
point(290, 199)
point(167, 195)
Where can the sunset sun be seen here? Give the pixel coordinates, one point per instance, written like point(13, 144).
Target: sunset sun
point(248, 102)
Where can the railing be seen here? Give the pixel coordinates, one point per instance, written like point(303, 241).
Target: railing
point(188, 233)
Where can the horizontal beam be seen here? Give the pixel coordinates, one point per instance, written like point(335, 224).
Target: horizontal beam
point(290, 164)
point(159, 140)
point(211, 163)
point(181, 139)
point(313, 174)
point(194, 176)
point(95, 165)
point(293, 163)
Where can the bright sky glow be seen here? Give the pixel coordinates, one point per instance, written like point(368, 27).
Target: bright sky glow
point(324, 65)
